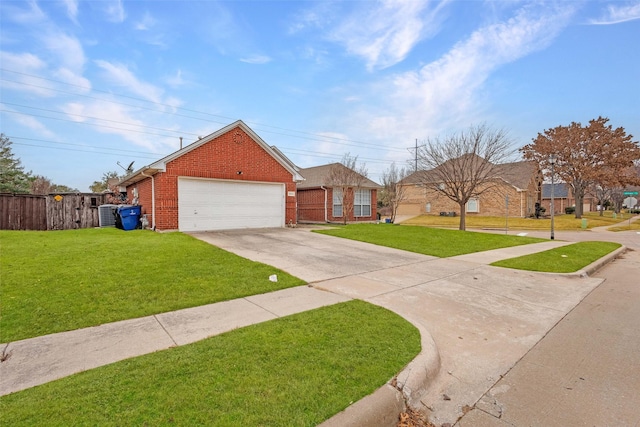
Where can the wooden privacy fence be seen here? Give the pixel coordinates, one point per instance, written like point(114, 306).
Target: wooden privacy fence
point(61, 211)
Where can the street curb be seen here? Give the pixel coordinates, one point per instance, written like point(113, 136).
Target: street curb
point(383, 406)
point(599, 263)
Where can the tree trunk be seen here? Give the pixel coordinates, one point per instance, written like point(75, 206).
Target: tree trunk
point(579, 203)
point(463, 217)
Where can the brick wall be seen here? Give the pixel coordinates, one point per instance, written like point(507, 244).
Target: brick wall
point(311, 206)
point(221, 158)
point(421, 200)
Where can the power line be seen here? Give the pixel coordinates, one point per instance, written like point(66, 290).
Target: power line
point(12, 137)
point(312, 136)
point(75, 150)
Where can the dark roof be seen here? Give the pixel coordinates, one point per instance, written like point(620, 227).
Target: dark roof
point(560, 190)
point(317, 177)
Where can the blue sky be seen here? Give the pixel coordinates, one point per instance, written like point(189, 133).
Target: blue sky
point(87, 84)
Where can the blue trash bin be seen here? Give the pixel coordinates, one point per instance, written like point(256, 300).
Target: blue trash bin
point(129, 216)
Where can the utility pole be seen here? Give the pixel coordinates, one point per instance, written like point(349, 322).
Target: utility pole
point(415, 168)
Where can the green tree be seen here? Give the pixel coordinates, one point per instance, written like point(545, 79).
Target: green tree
point(100, 186)
point(13, 178)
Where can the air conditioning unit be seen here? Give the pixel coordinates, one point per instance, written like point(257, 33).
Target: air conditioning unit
point(107, 215)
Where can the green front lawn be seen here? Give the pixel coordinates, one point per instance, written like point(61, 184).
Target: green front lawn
point(427, 241)
point(294, 371)
point(55, 281)
point(566, 259)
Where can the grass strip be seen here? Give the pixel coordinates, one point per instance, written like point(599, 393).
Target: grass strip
point(566, 259)
point(427, 241)
point(56, 281)
point(561, 222)
point(294, 371)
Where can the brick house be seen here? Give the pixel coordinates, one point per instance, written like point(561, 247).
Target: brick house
point(319, 201)
point(563, 197)
point(228, 179)
point(517, 182)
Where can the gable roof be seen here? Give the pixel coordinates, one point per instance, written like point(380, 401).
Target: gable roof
point(517, 174)
point(316, 176)
point(161, 165)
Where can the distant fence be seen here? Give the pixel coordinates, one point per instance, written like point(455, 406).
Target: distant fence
point(63, 211)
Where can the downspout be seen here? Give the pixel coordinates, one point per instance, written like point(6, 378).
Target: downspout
point(153, 199)
point(326, 218)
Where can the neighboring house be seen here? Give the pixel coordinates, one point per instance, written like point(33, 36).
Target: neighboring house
point(516, 188)
point(319, 201)
point(561, 198)
point(227, 180)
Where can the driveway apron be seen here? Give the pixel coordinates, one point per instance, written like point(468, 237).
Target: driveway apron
point(482, 319)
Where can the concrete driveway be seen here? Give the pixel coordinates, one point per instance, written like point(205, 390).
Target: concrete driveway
point(476, 321)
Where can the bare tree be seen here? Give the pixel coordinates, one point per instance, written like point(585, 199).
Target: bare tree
point(345, 178)
point(465, 165)
point(585, 156)
point(393, 194)
point(41, 185)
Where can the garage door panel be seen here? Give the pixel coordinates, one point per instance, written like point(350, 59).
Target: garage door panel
point(219, 205)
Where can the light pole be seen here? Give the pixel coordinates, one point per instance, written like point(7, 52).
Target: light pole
point(552, 162)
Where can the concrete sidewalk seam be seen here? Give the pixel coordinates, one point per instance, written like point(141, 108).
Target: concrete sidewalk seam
point(261, 307)
point(155, 316)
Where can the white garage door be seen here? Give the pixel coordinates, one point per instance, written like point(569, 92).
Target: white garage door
point(206, 204)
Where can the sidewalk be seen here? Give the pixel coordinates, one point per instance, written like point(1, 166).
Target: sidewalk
point(586, 371)
point(476, 321)
point(39, 360)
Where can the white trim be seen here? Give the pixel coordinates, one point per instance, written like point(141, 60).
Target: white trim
point(477, 201)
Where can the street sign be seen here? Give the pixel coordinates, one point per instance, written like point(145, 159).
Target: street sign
point(630, 193)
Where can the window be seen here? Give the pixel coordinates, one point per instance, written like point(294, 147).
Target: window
point(362, 203)
point(473, 205)
point(428, 208)
point(337, 202)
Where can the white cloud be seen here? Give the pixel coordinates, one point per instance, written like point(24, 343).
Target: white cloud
point(117, 119)
point(176, 80)
point(28, 122)
point(617, 13)
point(448, 93)
point(385, 34)
point(72, 9)
point(122, 76)
point(145, 23)
point(316, 17)
point(24, 64)
point(31, 16)
point(256, 59)
point(115, 11)
point(67, 49)
point(72, 77)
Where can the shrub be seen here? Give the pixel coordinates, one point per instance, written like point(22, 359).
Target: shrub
point(570, 210)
